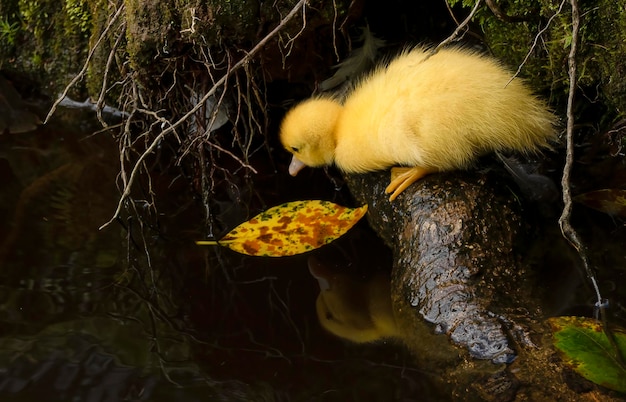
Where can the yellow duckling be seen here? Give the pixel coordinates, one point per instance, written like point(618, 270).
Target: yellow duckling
point(429, 112)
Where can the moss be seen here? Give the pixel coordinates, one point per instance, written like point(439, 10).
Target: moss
point(101, 12)
point(79, 17)
point(158, 30)
point(150, 24)
point(602, 47)
point(601, 52)
point(8, 33)
point(606, 53)
point(237, 20)
point(47, 42)
point(162, 35)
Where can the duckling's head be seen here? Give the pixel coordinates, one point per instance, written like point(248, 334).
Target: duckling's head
point(307, 131)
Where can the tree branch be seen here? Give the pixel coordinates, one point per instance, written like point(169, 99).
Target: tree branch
point(80, 75)
point(458, 29)
point(564, 220)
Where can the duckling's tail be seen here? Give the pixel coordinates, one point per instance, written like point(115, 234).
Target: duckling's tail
point(535, 187)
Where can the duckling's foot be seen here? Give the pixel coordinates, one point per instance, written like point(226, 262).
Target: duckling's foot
point(401, 178)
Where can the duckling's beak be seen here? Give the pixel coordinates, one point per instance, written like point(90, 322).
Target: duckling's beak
point(295, 166)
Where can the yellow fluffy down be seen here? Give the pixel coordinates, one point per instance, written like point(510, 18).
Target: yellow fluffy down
point(438, 112)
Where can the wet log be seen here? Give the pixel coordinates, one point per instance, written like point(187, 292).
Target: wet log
point(458, 241)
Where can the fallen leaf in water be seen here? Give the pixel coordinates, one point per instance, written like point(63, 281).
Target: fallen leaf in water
point(291, 228)
point(609, 201)
point(586, 349)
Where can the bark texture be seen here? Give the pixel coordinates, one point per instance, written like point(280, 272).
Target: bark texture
point(458, 240)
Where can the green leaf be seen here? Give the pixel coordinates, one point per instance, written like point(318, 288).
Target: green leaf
point(291, 228)
point(586, 348)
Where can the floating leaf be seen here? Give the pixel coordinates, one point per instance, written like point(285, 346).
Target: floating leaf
point(609, 201)
point(586, 349)
point(291, 228)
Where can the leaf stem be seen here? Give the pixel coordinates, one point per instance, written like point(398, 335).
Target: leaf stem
point(213, 242)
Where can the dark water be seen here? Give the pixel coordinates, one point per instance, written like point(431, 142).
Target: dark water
point(137, 311)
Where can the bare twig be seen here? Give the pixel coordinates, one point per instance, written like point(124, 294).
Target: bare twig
point(157, 140)
point(497, 11)
point(79, 76)
point(459, 28)
point(100, 102)
point(291, 41)
point(532, 47)
point(566, 228)
point(203, 128)
point(451, 12)
point(335, 30)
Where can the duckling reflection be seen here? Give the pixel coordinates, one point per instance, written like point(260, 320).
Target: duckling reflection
point(359, 311)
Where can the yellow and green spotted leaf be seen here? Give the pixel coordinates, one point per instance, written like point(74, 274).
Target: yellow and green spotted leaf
point(585, 348)
point(609, 201)
point(291, 228)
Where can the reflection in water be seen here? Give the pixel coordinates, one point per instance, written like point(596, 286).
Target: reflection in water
point(359, 311)
point(137, 311)
point(15, 114)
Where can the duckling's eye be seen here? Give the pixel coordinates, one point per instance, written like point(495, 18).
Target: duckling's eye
point(294, 149)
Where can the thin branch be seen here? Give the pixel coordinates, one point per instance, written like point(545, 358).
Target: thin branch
point(289, 44)
point(501, 15)
point(157, 140)
point(80, 75)
point(335, 29)
point(100, 102)
point(449, 7)
point(227, 152)
point(532, 48)
point(564, 220)
point(460, 27)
